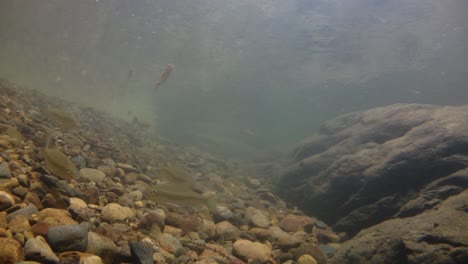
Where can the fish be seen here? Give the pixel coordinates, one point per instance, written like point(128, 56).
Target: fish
point(249, 132)
point(164, 76)
point(58, 163)
point(62, 118)
point(129, 75)
point(11, 131)
point(178, 189)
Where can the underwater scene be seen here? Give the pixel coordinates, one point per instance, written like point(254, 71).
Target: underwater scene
point(247, 131)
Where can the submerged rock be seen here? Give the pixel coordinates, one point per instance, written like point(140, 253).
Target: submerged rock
point(114, 212)
point(6, 200)
point(439, 235)
point(92, 175)
point(248, 250)
point(68, 237)
point(362, 167)
point(11, 251)
point(38, 249)
point(5, 172)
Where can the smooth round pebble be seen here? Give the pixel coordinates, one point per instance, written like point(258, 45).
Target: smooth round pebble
point(93, 175)
point(248, 250)
point(6, 200)
point(115, 212)
point(306, 259)
point(68, 237)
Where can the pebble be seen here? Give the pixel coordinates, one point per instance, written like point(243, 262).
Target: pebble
point(142, 252)
point(5, 172)
point(169, 243)
point(309, 249)
point(187, 223)
point(156, 216)
point(136, 195)
point(68, 237)
point(227, 230)
point(254, 183)
point(283, 239)
point(144, 178)
point(306, 259)
point(11, 251)
point(20, 191)
point(293, 223)
point(127, 167)
point(80, 161)
point(25, 211)
point(328, 250)
point(130, 178)
point(83, 258)
point(19, 224)
point(258, 217)
point(248, 250)
point(90, 259)
point(208, 227)
point(77, 203)
point(114, 212)
point(221, 213)
point(38, 249)
point(39, 188)
point(33, 198)
point(101, 246)
point(327, 236)
point(53, 217)
point(3, 220)
point(260, 233)
point(93, 175)
point(40, 229)
point(6, 200)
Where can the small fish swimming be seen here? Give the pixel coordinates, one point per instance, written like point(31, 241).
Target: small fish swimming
point(178, 189)
point(164, 76)
point(63, 119)
point(129, 75)
point(249, 132)
point(58, 163)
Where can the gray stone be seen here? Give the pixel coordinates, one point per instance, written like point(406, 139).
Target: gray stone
point(5, 172)
point(37, 249)
point(169, 241)
point(93, 175)
point(25, 211)
point(438, 235)
point(101, 246)
point(258, 217)
point(142, 252)
point(362, 167)
point(68, 237)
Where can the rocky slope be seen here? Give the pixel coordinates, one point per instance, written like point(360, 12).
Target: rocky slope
point(77, 186)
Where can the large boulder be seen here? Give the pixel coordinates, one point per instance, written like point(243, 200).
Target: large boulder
point(438, 235)
point(366, 167)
